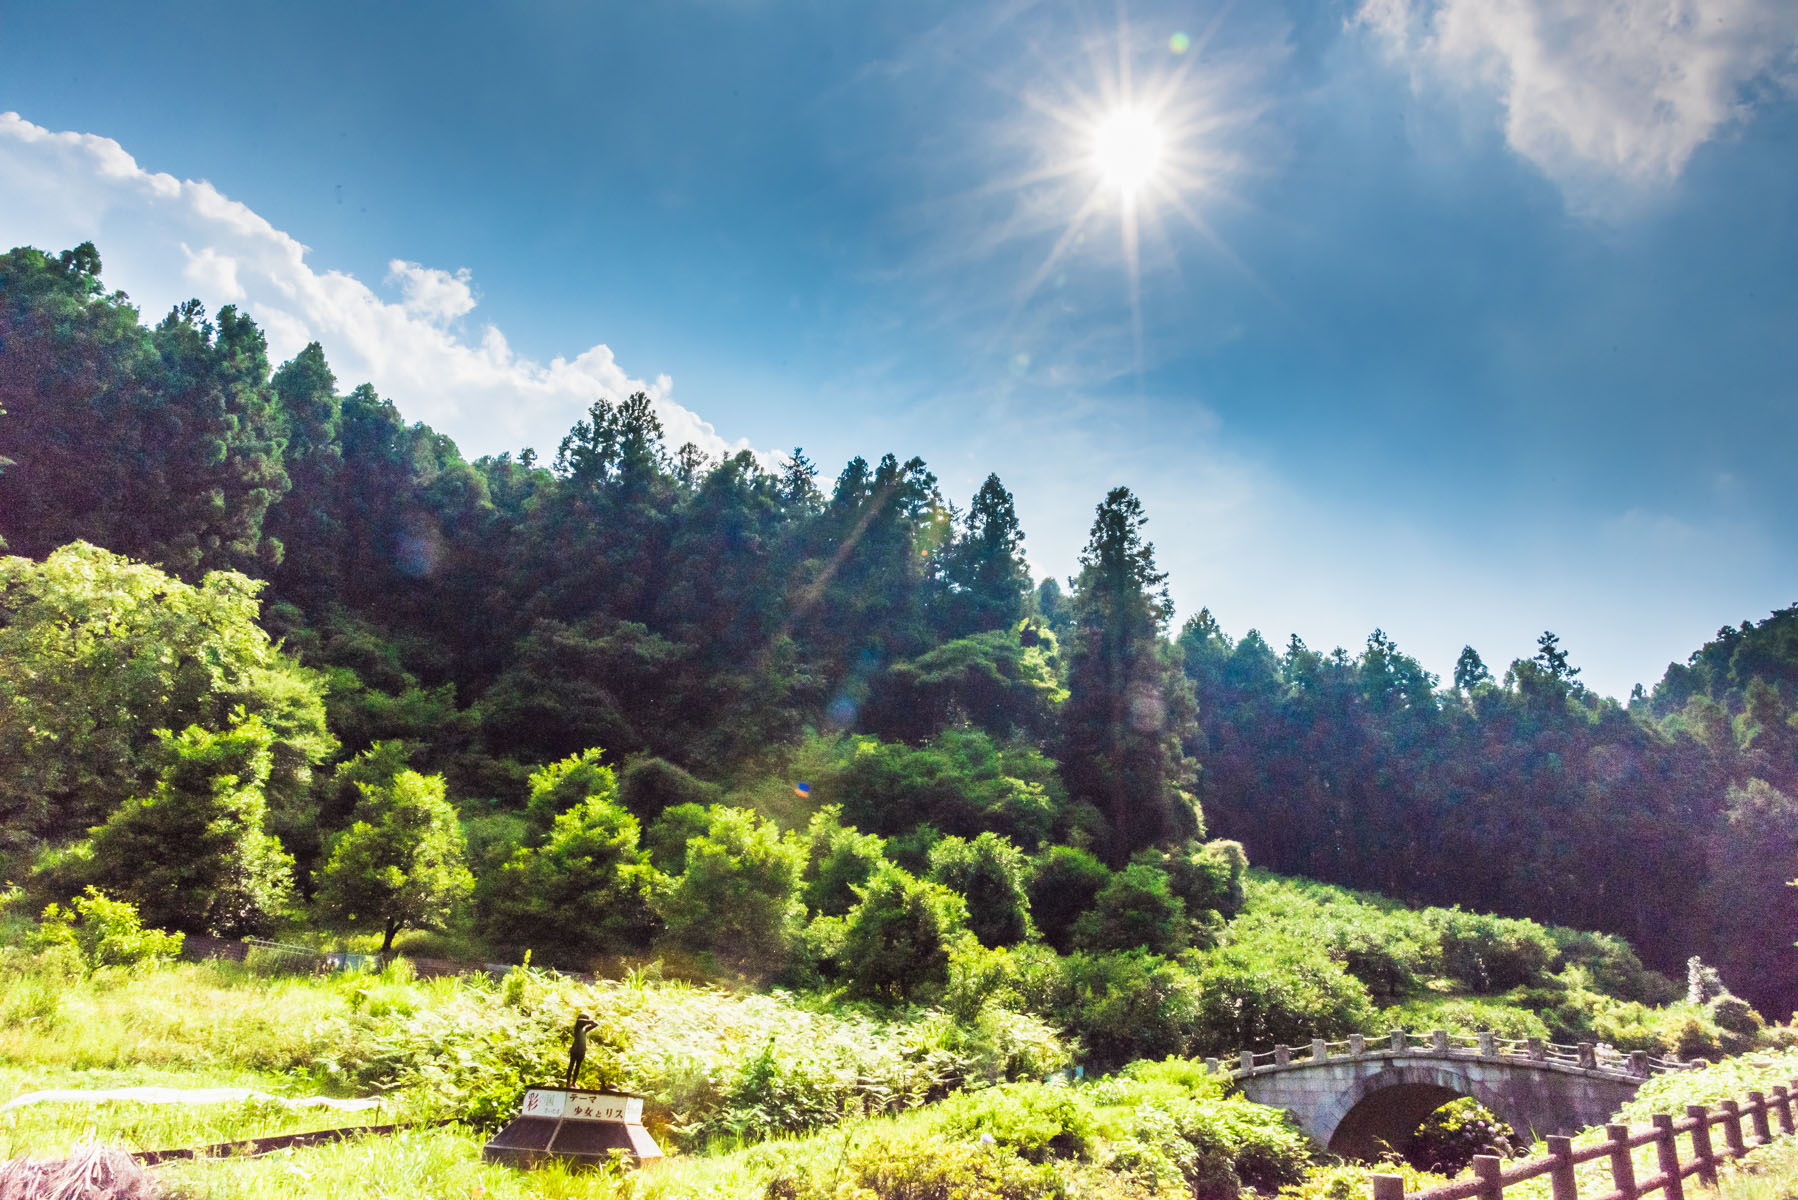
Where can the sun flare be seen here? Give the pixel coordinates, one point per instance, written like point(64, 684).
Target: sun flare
point(1127, 149)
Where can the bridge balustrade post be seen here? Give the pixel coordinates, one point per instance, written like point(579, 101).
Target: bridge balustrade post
point(1566, 1185)
point(1623, 1168)
point(1488, 1168)
point(1666, 1153)
point(1211, 1065)
point(1388, 1187)
point(1701, 1144)
point(1732, 1128)
point(1248, 1062)
point(1638, 1063)
point(1488, 1044)
point(1782, 1100)
point(1398, 1039)
point(1588, 1056)
point(1357, 1045)
point(1538, 1052)
point(1320, 1050)
point(1757, 1112)
point(1282, 1056)
point(1439, 1040)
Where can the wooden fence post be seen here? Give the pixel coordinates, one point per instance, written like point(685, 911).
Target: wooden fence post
point(1666, 1152)
point(1489, 1167)
point(1623, 1170)
point(1388, 1187)
point(1757, 1112)
point(1782, 1100)
point(1566, 1187)
point(1701, 1144)
point(1732, 1128)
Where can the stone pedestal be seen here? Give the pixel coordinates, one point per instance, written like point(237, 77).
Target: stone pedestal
point(574, 1126)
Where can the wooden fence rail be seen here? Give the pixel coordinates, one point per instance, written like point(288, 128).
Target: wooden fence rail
point(1491, 1178)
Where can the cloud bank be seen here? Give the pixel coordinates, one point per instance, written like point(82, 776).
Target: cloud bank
point(1618, 90)
point(163, 239)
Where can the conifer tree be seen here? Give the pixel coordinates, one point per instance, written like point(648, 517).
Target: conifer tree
point(1129, 707)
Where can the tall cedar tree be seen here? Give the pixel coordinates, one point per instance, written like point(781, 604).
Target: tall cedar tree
point(1129, 708)
point(984, 568)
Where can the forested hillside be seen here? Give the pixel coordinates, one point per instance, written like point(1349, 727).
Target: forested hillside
point(650, 687)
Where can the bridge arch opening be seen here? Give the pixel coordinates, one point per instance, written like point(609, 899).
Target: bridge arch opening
point(1389, 1108)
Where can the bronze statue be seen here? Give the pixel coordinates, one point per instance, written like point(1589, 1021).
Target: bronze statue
point(577, 1053)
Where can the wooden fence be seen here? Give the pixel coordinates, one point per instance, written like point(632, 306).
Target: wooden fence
point(1491, 1177)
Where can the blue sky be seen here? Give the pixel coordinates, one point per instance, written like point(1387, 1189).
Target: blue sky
point(1461, 318)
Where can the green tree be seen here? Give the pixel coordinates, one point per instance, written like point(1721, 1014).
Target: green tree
point(738, 894)
point(1129, 708)
point(401, 865)
point(1470, 670)
point(562, 785)
point(990, 874)
point(587, 890)
point(1063, 886)
point(193, 855)
point(984, 567)
point(1554, 659)
point(896, 945)
point(839, 860)
point(97, 654)
point(1003, 682)
point(650, 786)
point(1136, 909)
point(105, 932)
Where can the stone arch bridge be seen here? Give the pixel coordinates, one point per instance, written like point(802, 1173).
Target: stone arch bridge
point(1354, 1095)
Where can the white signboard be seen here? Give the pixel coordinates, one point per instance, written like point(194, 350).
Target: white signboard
point(582, 1106)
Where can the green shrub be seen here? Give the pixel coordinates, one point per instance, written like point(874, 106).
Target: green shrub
point(105, 933)
point(1276, 990)
point(561, 785)
point(1129, 1005)
point(738, 894)
point(650, 786)
point(961, 782)
point(839, 859)
point(1063, 885)
point(896, 946)
point(1491, 954)
point(990, 874)
point(1208, 877)
point(892, 1164)
point(1034, 1120)
point(586, 890)
point(1135, 910)
point(668, 837)
point(1464, 1015)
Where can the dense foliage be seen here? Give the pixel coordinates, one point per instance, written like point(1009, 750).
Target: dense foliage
point(803, 730)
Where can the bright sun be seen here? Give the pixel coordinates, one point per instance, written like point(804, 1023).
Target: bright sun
point(1127, 149)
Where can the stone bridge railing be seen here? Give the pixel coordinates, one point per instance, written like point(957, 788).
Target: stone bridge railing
point(1438, 1043)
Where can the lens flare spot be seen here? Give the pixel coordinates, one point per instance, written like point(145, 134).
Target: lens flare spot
point(1179, 43)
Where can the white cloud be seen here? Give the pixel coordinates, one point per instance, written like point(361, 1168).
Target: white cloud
point(1596, 90)
point(162, 240)
point(432, 295)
